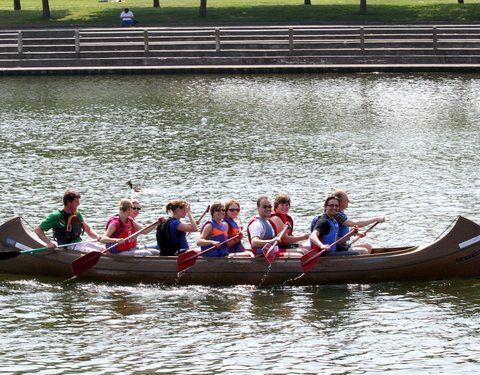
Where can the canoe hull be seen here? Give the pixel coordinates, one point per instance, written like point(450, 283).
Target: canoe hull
point(455, 256)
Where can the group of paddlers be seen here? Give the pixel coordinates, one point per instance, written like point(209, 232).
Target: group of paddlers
point(220, 236)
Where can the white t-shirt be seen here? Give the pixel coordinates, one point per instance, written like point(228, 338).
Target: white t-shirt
point(126, 16)
point(256, 229)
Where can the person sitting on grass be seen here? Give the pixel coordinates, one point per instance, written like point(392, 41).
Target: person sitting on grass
point(127, 18)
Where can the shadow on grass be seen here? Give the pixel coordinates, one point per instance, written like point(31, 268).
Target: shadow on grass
point(282, 14)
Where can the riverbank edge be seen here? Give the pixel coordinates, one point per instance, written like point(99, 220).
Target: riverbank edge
point(247, 69)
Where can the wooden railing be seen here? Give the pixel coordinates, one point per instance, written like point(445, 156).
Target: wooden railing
point(287, 38)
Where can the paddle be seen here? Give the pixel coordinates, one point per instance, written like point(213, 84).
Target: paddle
point(200, 219)
point(10, 242)
point(310, 259)
point(204, 213)
point(188, 259)
point(369, 229)
point(87, 261)
point(269, 249)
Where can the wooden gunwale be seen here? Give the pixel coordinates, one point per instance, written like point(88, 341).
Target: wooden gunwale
point(456, 255)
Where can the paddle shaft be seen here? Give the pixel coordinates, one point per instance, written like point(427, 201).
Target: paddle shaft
point(270, 248)
point(203, 215)
point(342, 238)
point(312, 256)
point(199, 219)
point(213, 247)
point(25, 249)
point(188, 259)
point(369, 229)
point(137, 233)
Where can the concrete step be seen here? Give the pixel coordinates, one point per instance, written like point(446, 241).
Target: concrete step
point(236, 53)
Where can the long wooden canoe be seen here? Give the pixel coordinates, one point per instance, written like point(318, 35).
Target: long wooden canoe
point(454, 256)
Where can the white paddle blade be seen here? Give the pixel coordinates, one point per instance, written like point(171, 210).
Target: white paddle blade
point(12, 243)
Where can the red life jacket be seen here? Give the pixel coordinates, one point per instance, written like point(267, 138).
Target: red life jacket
point(286, 218)
point(122, 230)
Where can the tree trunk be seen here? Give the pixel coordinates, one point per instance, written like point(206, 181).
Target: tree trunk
point(156, 3)
point(363, 6)
point(16, 5)
point(460, 1)
point(203, 8)
point(46, 9)
point(307, 2)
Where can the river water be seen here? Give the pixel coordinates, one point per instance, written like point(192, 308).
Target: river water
point(403, 146)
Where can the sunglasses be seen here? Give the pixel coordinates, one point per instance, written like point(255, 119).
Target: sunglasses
point(136, 208)
point(234, 209)
point(270, 206)
point(220, 210)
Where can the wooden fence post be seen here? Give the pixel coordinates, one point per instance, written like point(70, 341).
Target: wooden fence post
point(145, 41)
point(217, 40)
point(20, 42)
point(362, 39)
point(77, 41)
point(290, 39)
point(435, 38)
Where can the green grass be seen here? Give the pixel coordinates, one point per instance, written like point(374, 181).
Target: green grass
point(185, 12)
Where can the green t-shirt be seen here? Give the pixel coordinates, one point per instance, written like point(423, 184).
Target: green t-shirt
point(57, 221)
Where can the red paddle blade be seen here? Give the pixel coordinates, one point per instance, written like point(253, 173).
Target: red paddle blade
point(269, 252)
point(85, 262)
point(310, 259)
point(186, 260)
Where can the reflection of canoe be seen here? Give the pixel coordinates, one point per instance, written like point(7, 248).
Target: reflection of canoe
point(455, 256)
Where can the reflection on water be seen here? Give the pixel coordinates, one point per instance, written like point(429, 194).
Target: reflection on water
point(404, 146)
point(420, 327)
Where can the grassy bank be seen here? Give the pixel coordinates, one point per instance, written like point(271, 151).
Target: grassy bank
point(180, 12)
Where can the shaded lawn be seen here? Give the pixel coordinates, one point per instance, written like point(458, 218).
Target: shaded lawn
point(184, 12)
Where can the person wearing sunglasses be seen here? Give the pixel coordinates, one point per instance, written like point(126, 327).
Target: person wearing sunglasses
point(136, 208)
point(235, 246)
point(325, 228)
point(122, 225)
point(260, 230)
point(279, 218)
point(345, 223)
point(214, 232)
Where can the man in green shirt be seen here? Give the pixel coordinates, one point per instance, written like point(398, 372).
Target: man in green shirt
point(67, 224)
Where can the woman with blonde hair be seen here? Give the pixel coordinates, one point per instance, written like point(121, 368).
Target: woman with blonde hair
point(121, 226)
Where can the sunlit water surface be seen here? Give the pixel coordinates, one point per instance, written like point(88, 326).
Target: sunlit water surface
point(403, 146)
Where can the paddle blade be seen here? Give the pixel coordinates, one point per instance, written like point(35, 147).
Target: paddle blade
point(310, 259)
point(269, 252)
point(85, 262)
point(4, 255)
point(10, 242)
point(186, 260)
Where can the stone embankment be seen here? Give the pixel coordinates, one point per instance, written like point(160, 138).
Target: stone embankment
point(238, 49)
